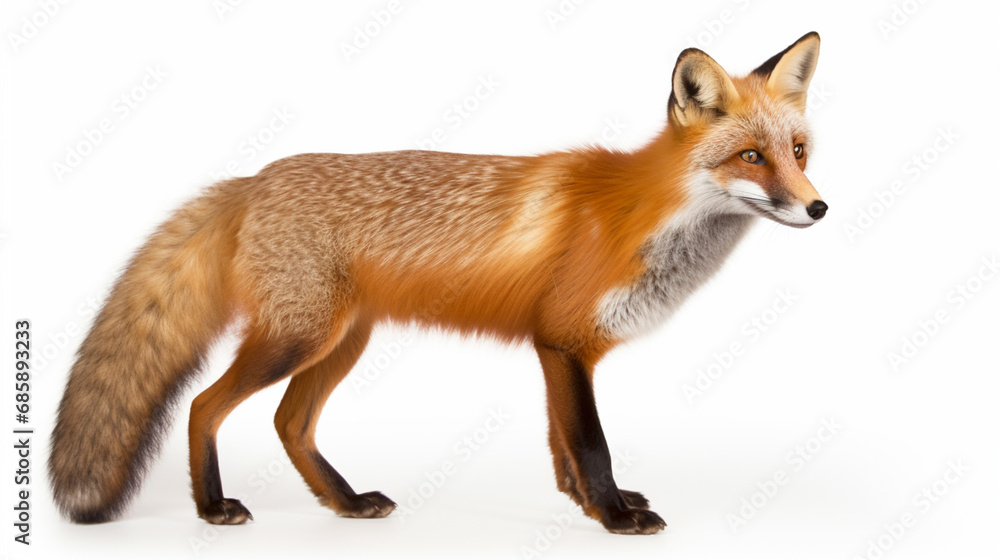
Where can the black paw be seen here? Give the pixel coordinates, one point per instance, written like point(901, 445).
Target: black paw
point(633, 522)
point(225, 512)
point(634, 500)
point(369, 505)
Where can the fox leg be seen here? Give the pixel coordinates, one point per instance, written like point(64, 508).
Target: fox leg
point(296, 419)
point(566, 480)
point(260, 362)
point(587, 460)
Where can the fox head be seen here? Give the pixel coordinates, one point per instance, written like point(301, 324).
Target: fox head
point(748, 136)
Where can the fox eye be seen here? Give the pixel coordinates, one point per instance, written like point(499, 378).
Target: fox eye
point(800, 151)
point(752, 156)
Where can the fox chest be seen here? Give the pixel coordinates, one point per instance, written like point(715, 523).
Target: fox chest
point(678, 260)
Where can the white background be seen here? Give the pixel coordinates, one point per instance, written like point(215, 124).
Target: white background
point(881, 95)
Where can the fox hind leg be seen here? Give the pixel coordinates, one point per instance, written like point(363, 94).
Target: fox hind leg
point(261, 361)
point(296, 420)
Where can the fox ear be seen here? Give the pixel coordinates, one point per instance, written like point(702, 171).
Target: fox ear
point(789, 72)
point(702, 90)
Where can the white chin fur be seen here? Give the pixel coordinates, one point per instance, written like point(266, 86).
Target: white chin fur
point(794, 215)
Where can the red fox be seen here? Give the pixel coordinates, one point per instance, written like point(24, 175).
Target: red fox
point(572, 252)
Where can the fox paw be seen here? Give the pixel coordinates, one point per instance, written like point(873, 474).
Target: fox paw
point(634, 500)
point(633, 522)
point(369, 505)
point(226, 511)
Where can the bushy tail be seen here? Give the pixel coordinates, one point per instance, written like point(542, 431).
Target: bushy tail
point(147, 342)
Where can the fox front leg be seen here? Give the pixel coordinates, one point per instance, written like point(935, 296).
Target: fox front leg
point(585, 458)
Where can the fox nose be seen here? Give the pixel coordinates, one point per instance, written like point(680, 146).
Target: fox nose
point(817, 209)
